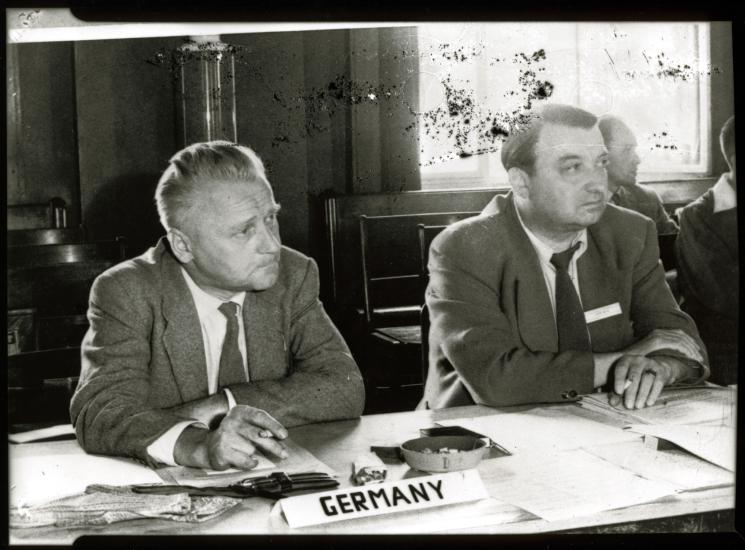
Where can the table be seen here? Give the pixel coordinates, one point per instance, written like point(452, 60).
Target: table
point(338, 443)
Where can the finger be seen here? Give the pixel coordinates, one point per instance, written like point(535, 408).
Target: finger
point(271, 445)
point(620, 373)
point(254, 435)
point(657, 387)
point(645, 385)
point(262, 419)
point(614, 400)
point(238, 458)
point(634, 376)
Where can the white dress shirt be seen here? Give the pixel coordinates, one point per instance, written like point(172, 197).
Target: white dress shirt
point(544, 252)
point(214, 325)
point(725, 196)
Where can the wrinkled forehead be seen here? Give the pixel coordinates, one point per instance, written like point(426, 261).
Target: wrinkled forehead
point(558, 140)
point(257, 192)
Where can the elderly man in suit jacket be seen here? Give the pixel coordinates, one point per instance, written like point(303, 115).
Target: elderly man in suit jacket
point(208, 346)
point(623, 162)
point(550, 292)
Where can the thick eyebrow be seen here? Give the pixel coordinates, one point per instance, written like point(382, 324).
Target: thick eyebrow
point(273, 210)
point(565, 158)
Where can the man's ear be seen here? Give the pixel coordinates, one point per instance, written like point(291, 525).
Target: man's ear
point(181, 245)
point(519, 181)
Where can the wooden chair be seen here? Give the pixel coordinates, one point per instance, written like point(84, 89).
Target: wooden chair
point(62, 235)
point(55, 279)
point(427, 233)
point(392, 301)
point(40, 386)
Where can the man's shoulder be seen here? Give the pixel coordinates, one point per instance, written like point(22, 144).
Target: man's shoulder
point(138, 273)
point(702, 206)
point(619, 222)
point(489, 224)
point(294, 267)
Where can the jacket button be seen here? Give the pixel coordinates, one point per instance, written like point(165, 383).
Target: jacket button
point(572, 394)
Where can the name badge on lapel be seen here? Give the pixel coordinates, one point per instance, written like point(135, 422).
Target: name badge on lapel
point(602, 312)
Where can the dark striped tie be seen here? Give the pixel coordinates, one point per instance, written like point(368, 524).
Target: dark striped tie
point(231, 360)
point(570, 319)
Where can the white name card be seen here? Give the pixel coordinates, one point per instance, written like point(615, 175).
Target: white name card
point(384, 498)
point(602, 312)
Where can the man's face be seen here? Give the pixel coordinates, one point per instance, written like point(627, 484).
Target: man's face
point(623, 160)
point(234, 237)
point(568, 188)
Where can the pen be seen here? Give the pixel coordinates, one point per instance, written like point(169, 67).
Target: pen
point(626, 385)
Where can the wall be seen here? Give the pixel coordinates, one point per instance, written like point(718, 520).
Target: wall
point(42, 151)
point(93, 122)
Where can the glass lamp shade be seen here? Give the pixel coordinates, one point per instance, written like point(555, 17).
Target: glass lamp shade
point(205, 92)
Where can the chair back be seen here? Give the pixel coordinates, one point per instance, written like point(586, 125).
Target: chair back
point(62, 235)
point(55, 280)
point(391, 265)
point(40, 386)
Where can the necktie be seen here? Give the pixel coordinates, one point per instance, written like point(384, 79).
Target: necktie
point(570, 319)
point(231, 361)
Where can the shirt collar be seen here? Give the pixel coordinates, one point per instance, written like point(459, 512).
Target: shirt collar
point(543, 250)
point(206, 303)
point(725, 196)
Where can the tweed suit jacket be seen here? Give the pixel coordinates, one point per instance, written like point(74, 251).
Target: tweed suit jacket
point(144, 353)
point(493, 338)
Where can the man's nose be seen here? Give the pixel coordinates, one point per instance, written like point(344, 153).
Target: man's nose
point(270, 243)
point(598, 181)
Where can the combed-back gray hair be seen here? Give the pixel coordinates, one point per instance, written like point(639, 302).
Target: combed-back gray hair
point(518, 149)
point(197, 166)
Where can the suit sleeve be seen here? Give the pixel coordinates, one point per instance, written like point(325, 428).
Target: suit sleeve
point(705, 264)
point(324, 382)
point(472, 332)
point(110, 409)
point(652, 303)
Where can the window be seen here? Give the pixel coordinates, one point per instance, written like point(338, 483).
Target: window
point(475, 78)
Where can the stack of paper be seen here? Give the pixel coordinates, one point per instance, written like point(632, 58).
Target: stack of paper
point(713, 443)
point(708, 405)
point(567, 484)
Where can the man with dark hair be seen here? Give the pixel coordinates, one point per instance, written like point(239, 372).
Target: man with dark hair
point(709, 264)
point(208, 346)
point(550, 293)
point(623, 161)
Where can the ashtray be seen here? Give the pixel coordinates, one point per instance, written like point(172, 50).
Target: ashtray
point(444, 453)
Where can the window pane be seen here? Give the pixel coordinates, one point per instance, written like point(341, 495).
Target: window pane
point(475, 79)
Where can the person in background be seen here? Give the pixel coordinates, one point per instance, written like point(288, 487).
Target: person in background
point(623, 162)
point(203, 350)
point(550, 292)
point(709, 265)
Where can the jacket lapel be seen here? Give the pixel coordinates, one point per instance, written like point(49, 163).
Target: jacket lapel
point(182, 337)
point(535, 317)
point(602, 284)
point(266, 343)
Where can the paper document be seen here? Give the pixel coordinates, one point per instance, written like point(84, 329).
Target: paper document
point(710, 405)
point(568, 484)
point(40, 472)
point(713, 443)
point(542, 430)
point(43, 433)
point(672, 466)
